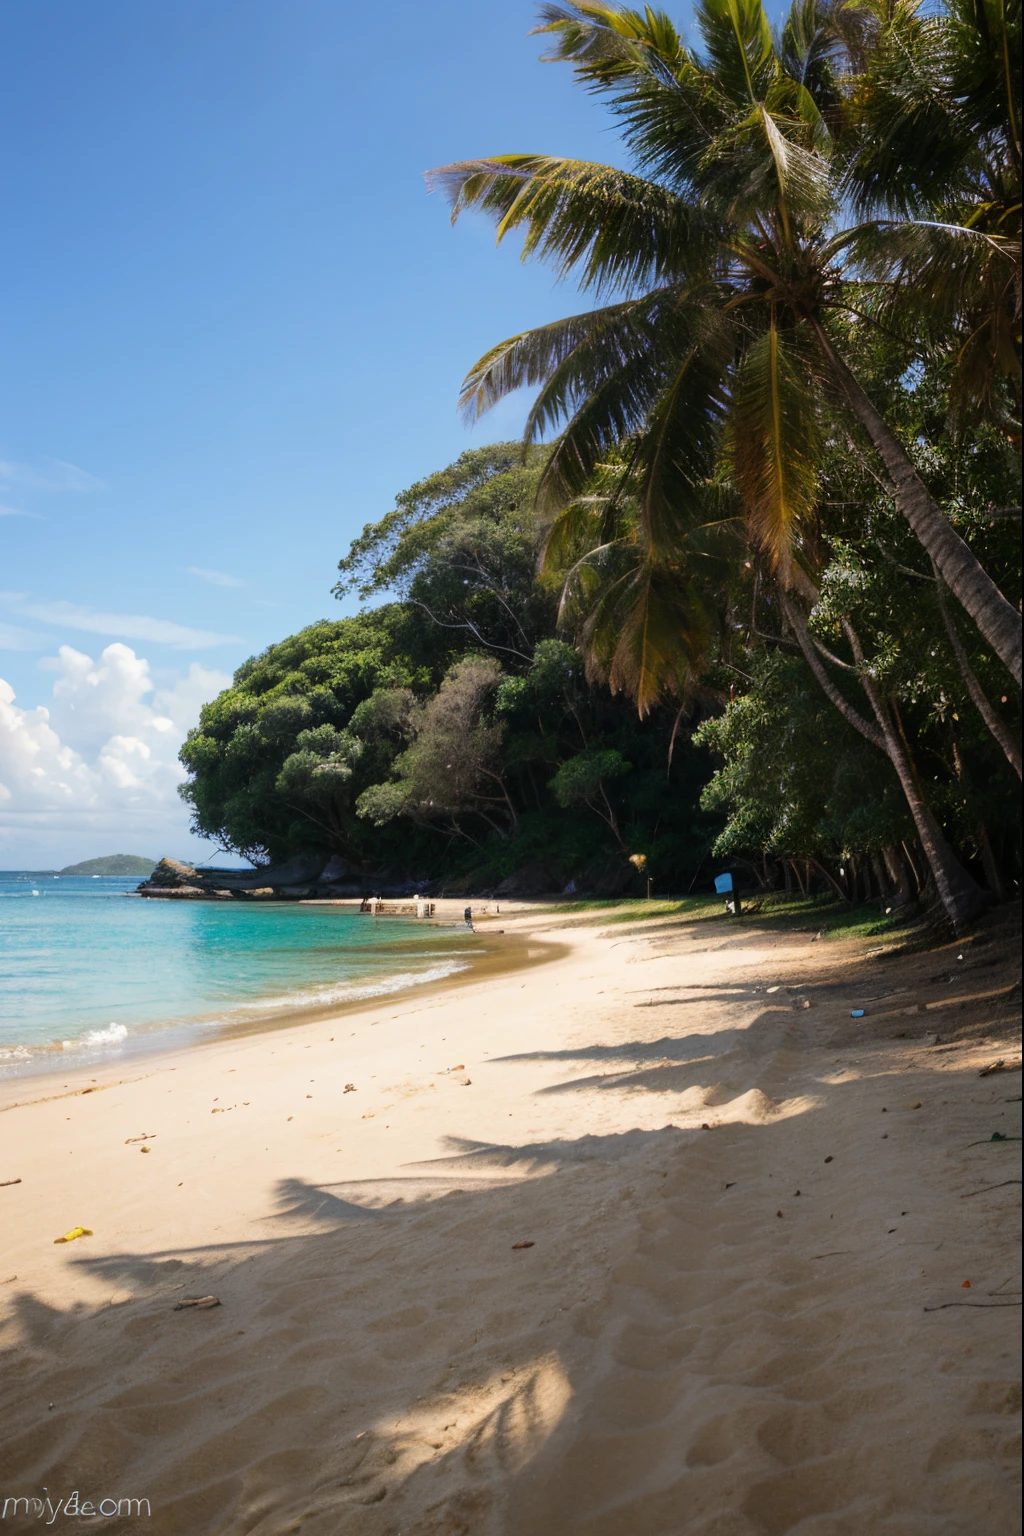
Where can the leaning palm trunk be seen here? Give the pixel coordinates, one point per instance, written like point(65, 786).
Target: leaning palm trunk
point(996, 728)
point(996, 618)
point(961, 898)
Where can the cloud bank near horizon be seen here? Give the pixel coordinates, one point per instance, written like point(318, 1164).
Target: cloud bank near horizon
point(98, 764)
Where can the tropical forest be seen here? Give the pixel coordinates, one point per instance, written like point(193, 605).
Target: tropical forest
point(747, 594)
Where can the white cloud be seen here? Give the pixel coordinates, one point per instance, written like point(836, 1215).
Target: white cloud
point(16, 512)
point(133, 626)
point(53, 475)
point(99, 765)
point(215, 578)
point(14, 638)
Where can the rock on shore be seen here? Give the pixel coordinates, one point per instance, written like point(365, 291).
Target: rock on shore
point(303, 876)
point(299, 878)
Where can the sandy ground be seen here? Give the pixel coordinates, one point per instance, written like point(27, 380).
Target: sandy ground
point(742, 1308)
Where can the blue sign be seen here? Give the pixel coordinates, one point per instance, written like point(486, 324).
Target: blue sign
point(723, 884)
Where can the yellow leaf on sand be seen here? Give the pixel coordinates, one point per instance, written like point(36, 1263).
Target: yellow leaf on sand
point(69, 1237)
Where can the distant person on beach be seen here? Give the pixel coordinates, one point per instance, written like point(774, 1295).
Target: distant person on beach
point(468, 915)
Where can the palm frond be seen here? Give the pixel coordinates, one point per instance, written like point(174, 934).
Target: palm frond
point(607, 43)
point(613, 383)
point(804, 175)
point(811, 48)
point(610, 229)
point(946, 282)
point(668, 102)
point(650, 335)
point(600, 341)
point(738, 42)
point(912, 137)
point(776, 440)
point(585, 525)
point(648, 636)
point(676, 456)
point(604, 421)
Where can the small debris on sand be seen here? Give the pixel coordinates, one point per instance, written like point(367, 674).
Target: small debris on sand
point(999, 1066)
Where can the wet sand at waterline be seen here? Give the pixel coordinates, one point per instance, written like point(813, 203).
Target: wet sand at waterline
point(508, 1284)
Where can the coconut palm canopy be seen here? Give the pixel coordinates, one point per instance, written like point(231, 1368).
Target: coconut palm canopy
point(729, 263)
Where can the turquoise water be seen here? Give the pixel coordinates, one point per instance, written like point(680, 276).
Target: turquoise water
point(88, 974)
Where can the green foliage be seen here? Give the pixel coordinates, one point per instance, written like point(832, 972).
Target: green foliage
point(733, 273)
point(425, 738)
point(272, 767)
point(452, 766)
point(796, 780)
point(584, 776)
point(584, 780)
point(461, 547)
point(726, 572)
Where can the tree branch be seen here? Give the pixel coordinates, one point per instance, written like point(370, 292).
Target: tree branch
point(491, 645)
point(849, 713)
point(492, 587)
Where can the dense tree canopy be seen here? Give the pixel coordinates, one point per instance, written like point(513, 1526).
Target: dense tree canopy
point(449, 732)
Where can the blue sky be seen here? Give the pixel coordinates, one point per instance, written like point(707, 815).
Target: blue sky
point(232, 326)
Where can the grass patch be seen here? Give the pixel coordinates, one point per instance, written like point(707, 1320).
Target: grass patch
point(832, 918)
point(688, 908)
point(595, 905)
point(636, 909)
point(774, 911)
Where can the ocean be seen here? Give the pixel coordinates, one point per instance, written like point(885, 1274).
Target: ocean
point(89, 974)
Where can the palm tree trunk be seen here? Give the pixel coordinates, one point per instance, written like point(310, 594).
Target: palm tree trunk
point(992, 876)
point(960, 896)
point(963, 573)
point(901, 891)
point(996, 727)
point(878, 870)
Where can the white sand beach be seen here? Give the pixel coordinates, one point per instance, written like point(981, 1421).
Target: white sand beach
point(648, 1238)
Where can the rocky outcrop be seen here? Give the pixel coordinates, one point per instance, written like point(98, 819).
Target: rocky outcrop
point(299, 878)
point(336, 870)
point(170, 875)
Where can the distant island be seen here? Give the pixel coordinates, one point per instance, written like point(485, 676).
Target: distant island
point(113, 864)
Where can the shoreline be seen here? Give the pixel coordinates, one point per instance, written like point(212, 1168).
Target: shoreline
point(151, 1042)
point(608, 1244)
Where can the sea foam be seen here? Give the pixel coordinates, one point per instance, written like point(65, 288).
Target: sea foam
point(113, 1035)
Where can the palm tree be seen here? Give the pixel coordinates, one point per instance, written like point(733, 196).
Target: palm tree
point(648, 623)
point(722, 339)
point(726, 268)
point(936, 172)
